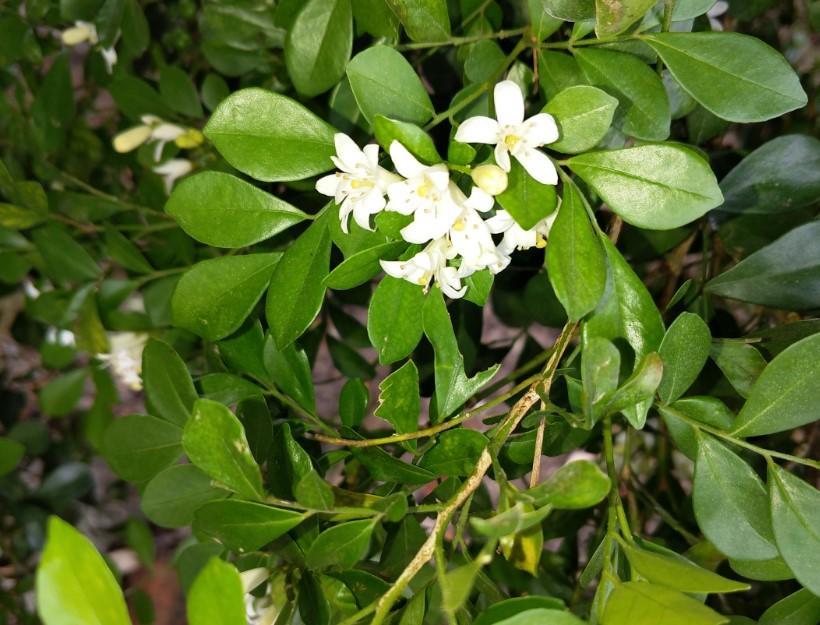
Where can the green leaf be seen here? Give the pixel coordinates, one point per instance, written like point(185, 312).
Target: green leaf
point(577, 485)
point(125, 252)
point(600, 370)
point(731, 504)
point(215, 296)
point(341, 545)
point(140, 538)
point(639, 389)
point(570, 10)
point(576, 261)
point(138, 447)
point(74, 584)
point(246, 128)
point(384, 467)
point(583, 114)
point(178, 91)
point(525, 199)
point(60, 396)
point(243, 351)
point(558, 71)
point(313, 491)
point(615, 16)
point(394, 318)
point(216, 596)
point(66, 260)
point(678, 572)
point(376, 18)
point(19, 218)
point(297, 287)
point(783, 274)
point(399, 401)
point(318, 45)
point(498, 612)
point(243, 525)
point(423, 20)
point(740, 362)
point(135, 97)
point(228, 389)
point(784, 396)
point(708, 410)
point(290, 370)
point(644, 108)
point(172, 497)
point(715, 68)
point(409, 135)
point(353, 401)
point(360, 267)
point(780, 176)
point(542, 616)
point(11, 453)
point(457, 584)
point(795, 507)
point(800, 608)
point(684, 350)
point(764, 570)
point(453, 387)
point(454, 453)
point(658, 187)
point(169, 390)
point(641, 603)
point(384, 83)
point(214, 440)
point(222, 210)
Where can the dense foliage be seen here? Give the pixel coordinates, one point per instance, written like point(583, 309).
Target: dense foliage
point(444, 311)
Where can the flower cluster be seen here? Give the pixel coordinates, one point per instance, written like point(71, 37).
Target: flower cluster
point(456, 229)
point(86, 32)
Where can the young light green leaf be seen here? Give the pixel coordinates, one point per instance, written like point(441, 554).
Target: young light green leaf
point(74, 584)
point(684, 350)
point(215, 296)
point(583, 114)
point(641, 603)
point(498, 612)
point(384, 83)
point(394, 318)
point(784, 396)
point(576, 261)
point(297, 286)
point(799, 608)
point(576, 485)
point(169, 390)
point(615, 16)
point(795, 507)
point(214, 440)
point(543, 616)
point(246, 128)
point(454, 453)
point(731, 503)
point(244, 525)
point(318, 45)
point(525, 199)
point(423, 20)
point(216, 596)
point(399, 401)
point(221, 210)
point(175, 494)
point(644, 108)
point(715, 68)
point(138, 447)
point(658, 187)
point(457, 584)
point(341, 545)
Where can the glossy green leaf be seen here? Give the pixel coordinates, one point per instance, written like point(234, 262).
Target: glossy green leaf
point(570, 10)
point(542, 616)
point(658, 187)
point(558, 71)
point(576, 485)
point(394, 318)
point(353, 402)
point(319, 44)
point(600, 370)
point(384, 467)
point(764, 570)
point(644, 108)
point(453, 386)
point(246, 128)
point(799, 608)
point(341, 545)
point(399, 401)
point(576, 262)
point(583, 114)
point(499, 612)
point(454, 453)
point(525, 199)
point(216, 596)
point(215, 296)
point(795, 507)
point(290, 370)
point(731, 504)
point(214, 440)
point(409, 135)
point(244, 525)
point(138, 447)
point(715, 68)
point(423, 20)
point(783, 397)
point(708, 410)
point(615, 16)
point(169, 390)
point(362, 266)
point(222, 210)
point(297, 287)
point(637, 391)
point(684, 350)
point(74, 584)
point(384, 83)
point(174, 495)
point(783, 274)
point(641, 603)
point(228, 389)
point(740, 362)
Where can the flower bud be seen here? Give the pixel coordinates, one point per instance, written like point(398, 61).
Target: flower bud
point(79, 33)
point(490, 179)
point(131, 139)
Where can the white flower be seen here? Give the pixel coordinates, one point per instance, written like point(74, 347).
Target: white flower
point(155, 129)
point(490, 179)
point(720, 7)
point(515, 237)
point(471, 237)
point(512, 135)
point(64, 338)
point(172, 170)
point(426, 194)
point(125, 357)
point(258, 610)
point(430, 263)
point(80, 33)
point(109, 56)
point(360, 186)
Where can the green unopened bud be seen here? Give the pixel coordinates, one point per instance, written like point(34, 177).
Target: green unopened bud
point(490, 179)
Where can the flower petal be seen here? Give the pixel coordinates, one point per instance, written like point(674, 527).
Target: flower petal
point(538, 165)
point(405, 163)
point(371, 153)
point(348, 152)
point(541, 129)
point(326, 185)
point(479, 200)
point(509, 103)
point(502, 157)
point(478, 129)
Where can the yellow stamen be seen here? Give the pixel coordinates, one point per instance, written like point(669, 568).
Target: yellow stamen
point(511, 140)
point(459, 225)
point(540, 241)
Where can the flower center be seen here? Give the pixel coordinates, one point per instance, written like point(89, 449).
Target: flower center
point(511, 141)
